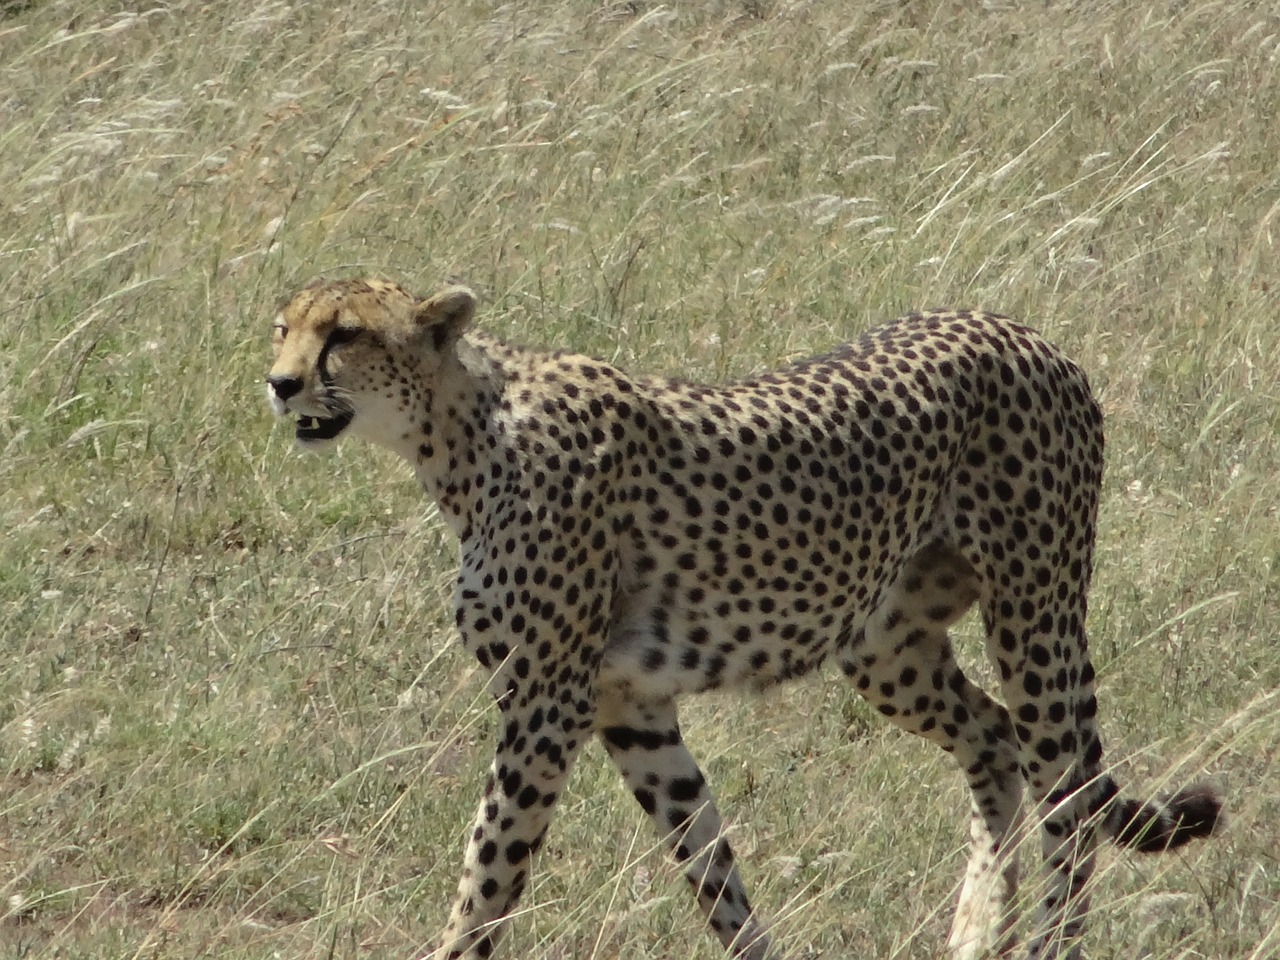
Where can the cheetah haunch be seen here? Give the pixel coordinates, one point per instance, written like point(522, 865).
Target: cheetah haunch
point(627, 540)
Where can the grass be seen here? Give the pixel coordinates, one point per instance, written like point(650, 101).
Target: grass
point(232, 720)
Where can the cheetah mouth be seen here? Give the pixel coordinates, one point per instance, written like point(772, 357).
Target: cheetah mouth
point(318, 429)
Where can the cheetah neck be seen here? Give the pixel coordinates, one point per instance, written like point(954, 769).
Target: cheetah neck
point(451, 447)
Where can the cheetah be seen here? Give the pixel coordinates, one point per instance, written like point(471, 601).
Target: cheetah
point(625, 541)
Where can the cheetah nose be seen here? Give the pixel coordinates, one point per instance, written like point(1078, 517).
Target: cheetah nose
point(285, 387)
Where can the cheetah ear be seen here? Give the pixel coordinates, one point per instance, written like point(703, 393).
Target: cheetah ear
point(445, 316)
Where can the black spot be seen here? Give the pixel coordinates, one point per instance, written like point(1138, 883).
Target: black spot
point(517, 851)
point(1047, 750)
point(685, 790)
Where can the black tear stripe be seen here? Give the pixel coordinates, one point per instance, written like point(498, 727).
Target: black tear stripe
point(322, 363)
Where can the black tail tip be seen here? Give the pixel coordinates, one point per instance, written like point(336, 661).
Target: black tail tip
point(1191, 813)
point(1197, 811)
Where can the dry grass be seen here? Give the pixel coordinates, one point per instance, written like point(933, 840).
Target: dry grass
point(232, 721)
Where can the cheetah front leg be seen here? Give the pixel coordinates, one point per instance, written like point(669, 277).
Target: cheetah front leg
point(530, 768)
point(643, 740)
point(545, 694)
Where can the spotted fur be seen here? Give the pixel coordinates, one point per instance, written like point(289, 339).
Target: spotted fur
point(627, 540)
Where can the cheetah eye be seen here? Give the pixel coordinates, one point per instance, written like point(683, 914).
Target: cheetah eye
point(342, 335)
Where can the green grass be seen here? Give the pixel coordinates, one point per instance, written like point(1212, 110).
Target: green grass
point(232, 718)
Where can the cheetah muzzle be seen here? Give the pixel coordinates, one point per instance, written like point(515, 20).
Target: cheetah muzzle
point(628, 540)
point(317, 429)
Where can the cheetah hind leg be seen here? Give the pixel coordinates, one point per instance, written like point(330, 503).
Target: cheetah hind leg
point(983, 921)
point(903, 665)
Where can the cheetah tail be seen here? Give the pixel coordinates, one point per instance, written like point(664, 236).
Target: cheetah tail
point(1166, 823)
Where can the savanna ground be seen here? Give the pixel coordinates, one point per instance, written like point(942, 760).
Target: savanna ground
point(232, 720)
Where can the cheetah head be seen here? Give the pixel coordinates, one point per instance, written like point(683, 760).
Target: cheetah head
point(359, 355)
